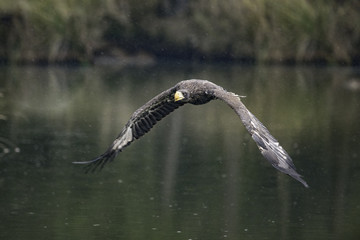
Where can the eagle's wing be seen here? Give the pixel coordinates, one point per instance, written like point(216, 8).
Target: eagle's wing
point(267, 144)
point(140, 123)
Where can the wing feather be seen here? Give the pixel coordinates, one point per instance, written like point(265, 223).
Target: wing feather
point(157, 115)
point(146, 123)
point(152, 119)
point(139, 131)
point(140, 123)
point(267, 144)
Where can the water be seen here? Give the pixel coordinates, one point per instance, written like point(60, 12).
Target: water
point(197, 174)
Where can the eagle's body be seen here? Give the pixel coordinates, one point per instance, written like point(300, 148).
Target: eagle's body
point(196, 92)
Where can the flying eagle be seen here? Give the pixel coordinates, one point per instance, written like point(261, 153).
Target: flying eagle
point(196, 92)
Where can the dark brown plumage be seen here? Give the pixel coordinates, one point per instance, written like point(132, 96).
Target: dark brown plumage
point(196, 92)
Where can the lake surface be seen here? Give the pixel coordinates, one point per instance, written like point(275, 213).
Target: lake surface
point(197, 174)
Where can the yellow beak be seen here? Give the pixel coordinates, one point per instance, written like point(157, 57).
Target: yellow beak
point(178, 96)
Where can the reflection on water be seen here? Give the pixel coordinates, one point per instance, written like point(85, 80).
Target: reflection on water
point(197, 174)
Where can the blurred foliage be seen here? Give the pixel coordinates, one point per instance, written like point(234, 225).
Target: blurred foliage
point(251, 30)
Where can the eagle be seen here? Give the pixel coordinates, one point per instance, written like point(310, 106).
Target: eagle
point(195, 92)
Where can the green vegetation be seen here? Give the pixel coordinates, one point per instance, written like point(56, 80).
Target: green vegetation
point(254, 30)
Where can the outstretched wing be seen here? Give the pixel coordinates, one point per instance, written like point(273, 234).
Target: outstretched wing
point(267, 144)
point(140, 123)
